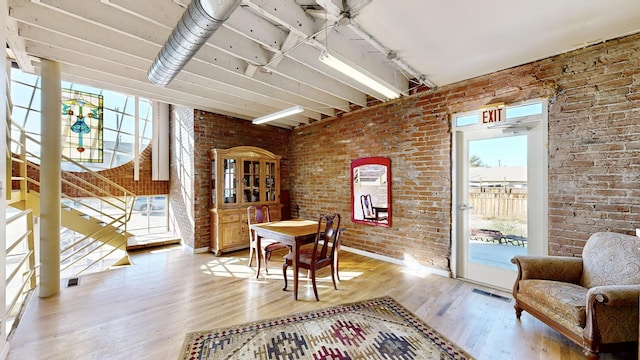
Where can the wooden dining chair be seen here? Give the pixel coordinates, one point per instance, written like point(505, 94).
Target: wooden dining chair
point(337, 252)
point(371, 212)
point(323, 253)
point(257, 214)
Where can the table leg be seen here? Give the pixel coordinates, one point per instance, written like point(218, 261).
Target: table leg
point(296, 247)
point(258, 254)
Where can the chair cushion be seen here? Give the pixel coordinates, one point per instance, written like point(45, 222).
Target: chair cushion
point(271, 245)
point(611, 259)
point(559, 300)
point(304, 254)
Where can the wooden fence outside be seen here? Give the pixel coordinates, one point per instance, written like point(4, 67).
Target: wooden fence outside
point(491, 203)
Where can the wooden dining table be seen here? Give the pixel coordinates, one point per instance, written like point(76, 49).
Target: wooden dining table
point(291, 232)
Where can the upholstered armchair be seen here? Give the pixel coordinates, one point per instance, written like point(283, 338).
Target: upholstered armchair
point(592, 300)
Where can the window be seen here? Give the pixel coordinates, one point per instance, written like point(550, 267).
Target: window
point(119, 119)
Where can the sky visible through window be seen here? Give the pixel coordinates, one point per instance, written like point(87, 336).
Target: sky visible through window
point(500, 152)
point(118, 118)
point(503, 151)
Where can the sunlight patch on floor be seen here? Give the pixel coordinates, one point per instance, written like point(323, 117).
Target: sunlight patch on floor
point(414, 268)
point(228, 267)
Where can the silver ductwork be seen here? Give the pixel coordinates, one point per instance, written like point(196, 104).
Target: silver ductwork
point(201, 19)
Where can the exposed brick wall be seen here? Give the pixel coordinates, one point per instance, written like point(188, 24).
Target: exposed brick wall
point(594, 157)
point(416, 141)
point(223, 132)
point(594, 143)
point(121, 175)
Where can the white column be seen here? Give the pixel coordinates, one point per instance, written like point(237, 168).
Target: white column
point(50, 216)
point(4, 184)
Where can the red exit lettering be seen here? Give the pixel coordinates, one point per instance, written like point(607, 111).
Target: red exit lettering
point(492, 115)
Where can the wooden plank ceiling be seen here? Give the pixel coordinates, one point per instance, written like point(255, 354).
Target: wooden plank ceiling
point(265, 57)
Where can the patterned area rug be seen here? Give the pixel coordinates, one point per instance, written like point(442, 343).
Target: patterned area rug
point(371, 329)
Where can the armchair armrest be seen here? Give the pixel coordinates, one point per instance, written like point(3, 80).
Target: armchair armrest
point(612, 314)
point(615, 295)
point(558, 268)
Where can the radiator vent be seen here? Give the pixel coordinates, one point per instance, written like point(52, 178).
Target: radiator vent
point(495, 296)
point(72, 282)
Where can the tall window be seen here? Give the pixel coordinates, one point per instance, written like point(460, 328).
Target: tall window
point(119, 119)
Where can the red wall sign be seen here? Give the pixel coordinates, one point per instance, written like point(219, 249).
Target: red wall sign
point(494, 115)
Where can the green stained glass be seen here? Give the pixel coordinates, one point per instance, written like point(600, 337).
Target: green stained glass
point(82, 126)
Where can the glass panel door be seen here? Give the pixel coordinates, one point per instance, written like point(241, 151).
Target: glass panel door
point(494, 205)
point(251, 181)
point(500, 192)
point(270, 178)
point(213, 183)
point(230, 189)
point(497, 200)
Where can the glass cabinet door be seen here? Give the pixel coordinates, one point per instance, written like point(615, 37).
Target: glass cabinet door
point(213, 183)
point(270, 175)
point(230, 189)
point(251, 181)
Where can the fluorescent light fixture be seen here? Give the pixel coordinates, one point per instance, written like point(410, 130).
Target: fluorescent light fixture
point(357, 75)
point(279, 114)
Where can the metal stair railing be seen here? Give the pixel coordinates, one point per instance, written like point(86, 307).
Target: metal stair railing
point(21, 267)
point(20, 261)
point(98, 197)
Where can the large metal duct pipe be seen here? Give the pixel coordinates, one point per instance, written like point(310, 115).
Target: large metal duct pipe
point(201, 19)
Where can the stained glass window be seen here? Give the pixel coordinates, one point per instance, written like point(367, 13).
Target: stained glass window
point(117, 120)
point(82, 127)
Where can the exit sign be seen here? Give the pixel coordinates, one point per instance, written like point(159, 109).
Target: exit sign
point(492, 115)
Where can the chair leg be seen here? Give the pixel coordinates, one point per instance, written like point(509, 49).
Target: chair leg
point(259, 259)
point(334, 273)
point(295, 282)
point(518, 311)
point(266, 255)
point(590, 355)
point(251, 246)
point(284, 273)
point(313, 281)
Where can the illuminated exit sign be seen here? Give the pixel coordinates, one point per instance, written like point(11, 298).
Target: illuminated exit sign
point(492, 115)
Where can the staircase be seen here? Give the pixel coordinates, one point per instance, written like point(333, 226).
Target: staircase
point(95, 210)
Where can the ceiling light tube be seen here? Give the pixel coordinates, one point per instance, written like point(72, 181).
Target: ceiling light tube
point(357, 75)
point(279, 114)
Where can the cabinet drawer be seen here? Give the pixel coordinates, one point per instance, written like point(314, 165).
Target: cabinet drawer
point(227, 218)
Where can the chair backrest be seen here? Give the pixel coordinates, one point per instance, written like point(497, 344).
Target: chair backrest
point(611, 258)
point(326, 238)
point(257, 214)
point(367, 206)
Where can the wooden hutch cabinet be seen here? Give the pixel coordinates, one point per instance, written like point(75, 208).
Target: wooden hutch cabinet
point(240, 177)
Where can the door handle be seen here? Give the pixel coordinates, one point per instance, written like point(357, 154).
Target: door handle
point(464, 207)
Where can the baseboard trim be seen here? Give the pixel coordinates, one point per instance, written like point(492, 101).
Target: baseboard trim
point(412, 265)
point(198, 250)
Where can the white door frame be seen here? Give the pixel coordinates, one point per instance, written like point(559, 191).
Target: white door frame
point(536, 127)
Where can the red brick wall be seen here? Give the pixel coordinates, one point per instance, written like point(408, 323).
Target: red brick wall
point(594, 157)
point(594, 143)
point(418, 144)
point(121, 175)
point(218, 131)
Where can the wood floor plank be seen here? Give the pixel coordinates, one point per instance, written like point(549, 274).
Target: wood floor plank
point(143, 311)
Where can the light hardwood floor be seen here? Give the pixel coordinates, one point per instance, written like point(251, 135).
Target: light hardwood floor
point(143, 311)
